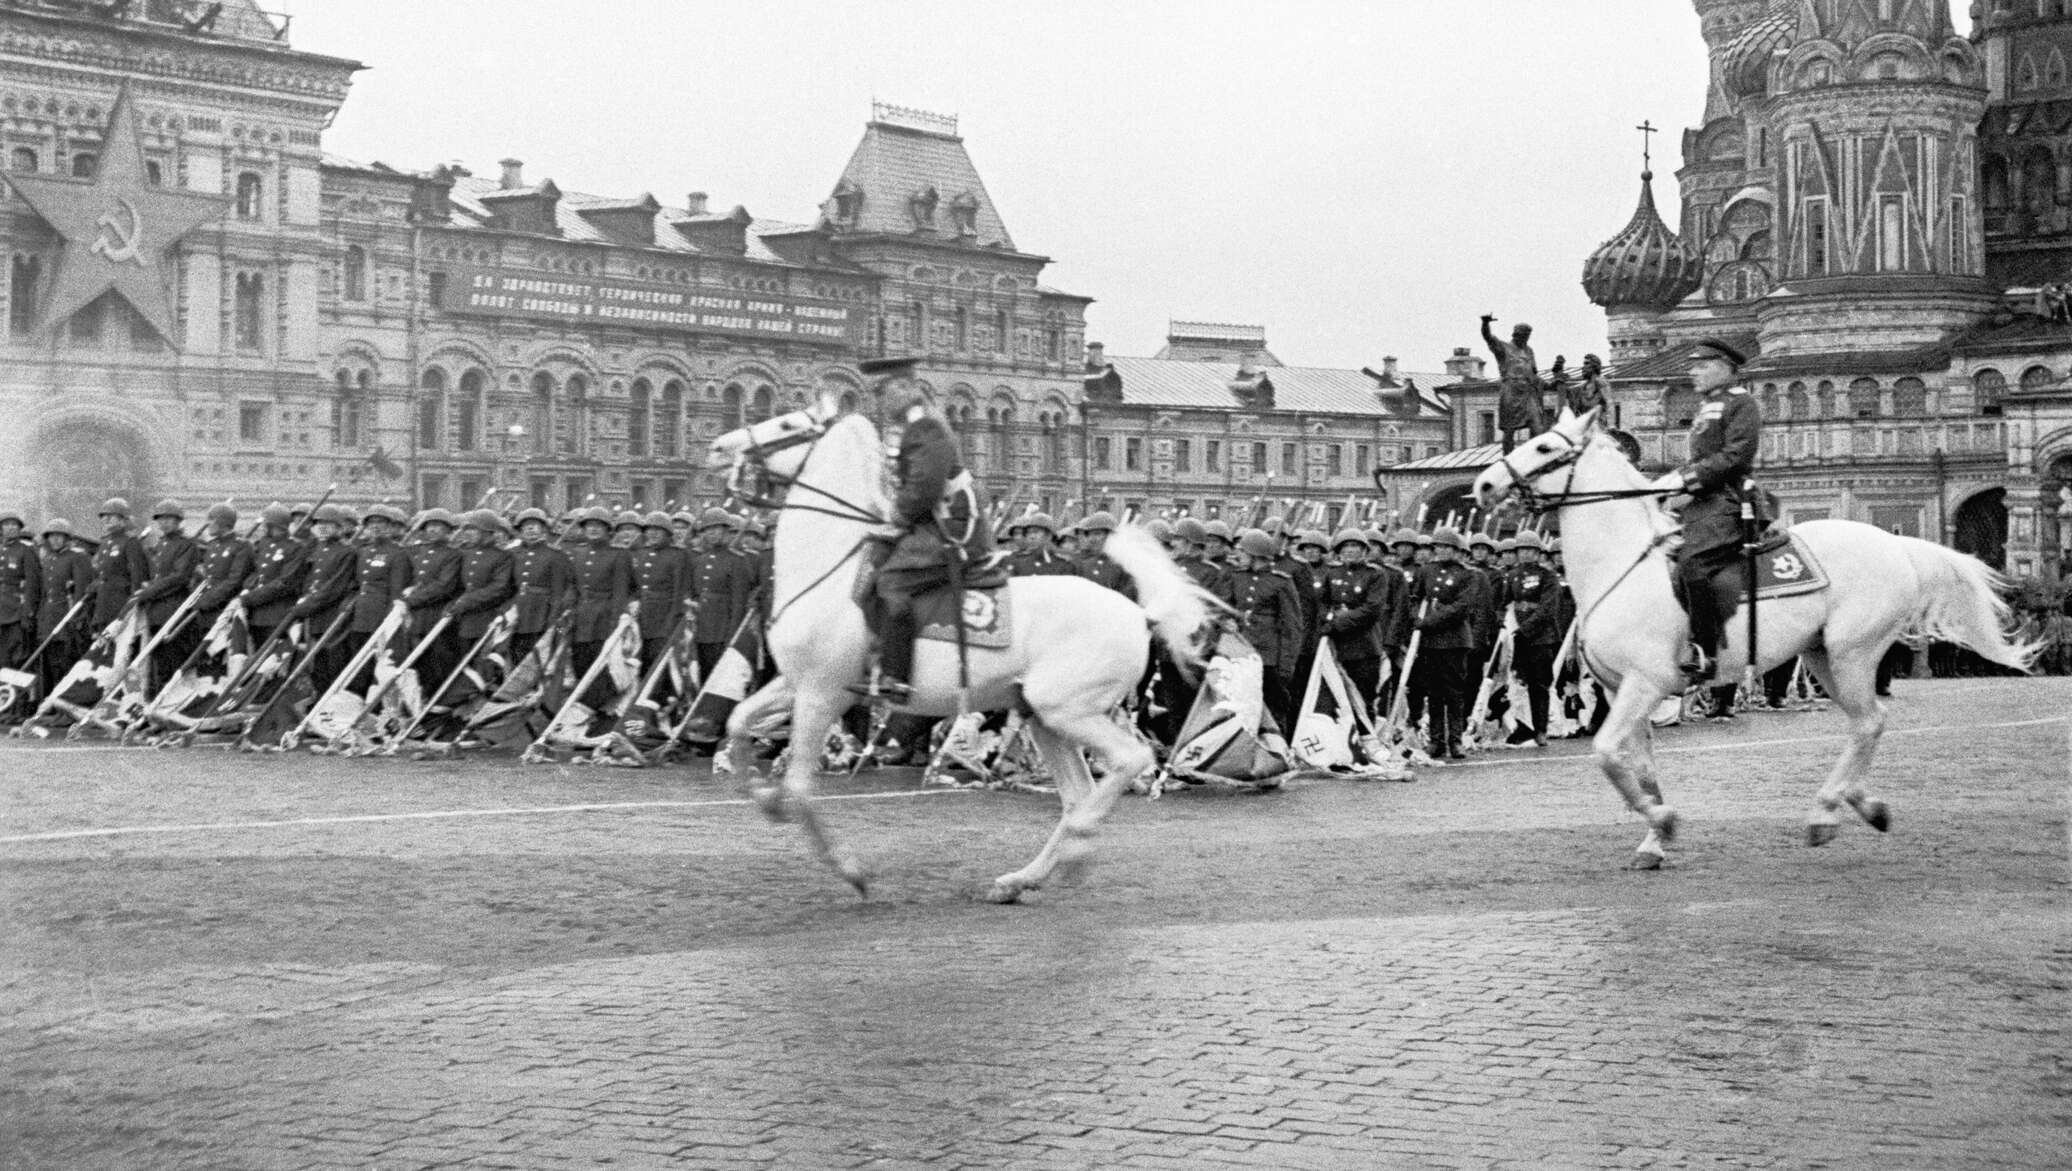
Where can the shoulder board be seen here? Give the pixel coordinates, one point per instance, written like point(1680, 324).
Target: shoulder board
point(1737, 390)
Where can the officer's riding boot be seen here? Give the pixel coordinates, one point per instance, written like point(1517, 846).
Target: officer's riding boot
point(896, 632)
point(1700, 602)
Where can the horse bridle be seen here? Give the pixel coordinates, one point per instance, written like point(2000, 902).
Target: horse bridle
point(1538, 501)
point(755, 462)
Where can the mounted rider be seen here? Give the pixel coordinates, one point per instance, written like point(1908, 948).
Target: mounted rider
point(1725, 436)
point(941, 534)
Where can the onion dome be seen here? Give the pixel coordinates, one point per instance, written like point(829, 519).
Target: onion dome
point(1645, 265)
point(1744, 65)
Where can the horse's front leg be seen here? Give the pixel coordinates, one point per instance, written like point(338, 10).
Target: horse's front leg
point(812, 714)
point(736, 755)
point(1622, 751)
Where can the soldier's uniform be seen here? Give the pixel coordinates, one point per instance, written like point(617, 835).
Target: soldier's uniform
point(1356, 601)
point(545, 580)
point(173, 565)
point(604, 587)
point(226, 561)
point(280, 567)
point(1194, 535)
point(1543, 612)
point(662, 582)
point(381, 576)
point(1309, 585)
point(486, 588)
point(1098, 567)
point(327, 587)
point(121, 566)
point(435, 567)
point(1443, 672)
point(1269, 616)
point(21, 592)
point(1726, 434)
point(68, 580)
point(722, 584)
point(1043, 560)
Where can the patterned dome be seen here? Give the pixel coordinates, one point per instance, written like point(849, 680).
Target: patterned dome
point(1744, 65)
point(1645, 264)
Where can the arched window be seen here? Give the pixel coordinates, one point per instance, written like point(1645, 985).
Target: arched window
point(1769, 399)
point(542, 413)
point(1797, 405)
point(848, 402)
point(84, 164)
point(730, 403)
point(349, 409)
point(467, 412)
point(23, 158)
point(574, 436)
point(669, 423)
point(1988, 387)
point(250, 290)
point(24, 279)
point(640, 419)
point(1863, 398)
point(248, 193)
point(355, 273)
point(2036, 378)
point(431, 410)
point(763, 404)
point(1824, 400)
point(1909, 397)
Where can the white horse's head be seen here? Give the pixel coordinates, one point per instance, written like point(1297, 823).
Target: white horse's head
point(777, 446)
point(1533, 464)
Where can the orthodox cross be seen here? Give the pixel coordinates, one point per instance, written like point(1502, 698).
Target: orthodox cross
point(1647, 130)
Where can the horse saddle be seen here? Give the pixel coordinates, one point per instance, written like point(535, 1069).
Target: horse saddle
point(981, 606)
point(1785, 567)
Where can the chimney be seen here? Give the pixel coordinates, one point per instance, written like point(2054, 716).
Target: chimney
point(1388, 367)
point(514, 174)
point(1096, 355)
point(695, 203)
point(1464, 365)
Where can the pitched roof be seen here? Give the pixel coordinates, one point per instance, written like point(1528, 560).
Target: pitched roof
point(470, 211)
point(1674, 361)
point(1167, 382)
point(896, 162)
point(1466, 458)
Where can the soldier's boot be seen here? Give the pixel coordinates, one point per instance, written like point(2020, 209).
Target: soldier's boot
point(889, 681)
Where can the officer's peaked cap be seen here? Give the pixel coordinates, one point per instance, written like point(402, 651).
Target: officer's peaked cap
point(1713, 347)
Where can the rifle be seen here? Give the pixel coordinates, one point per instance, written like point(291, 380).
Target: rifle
point(1394, 735)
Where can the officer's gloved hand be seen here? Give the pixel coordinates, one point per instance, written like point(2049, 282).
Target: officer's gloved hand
point(1671, 483)
point(398, 608)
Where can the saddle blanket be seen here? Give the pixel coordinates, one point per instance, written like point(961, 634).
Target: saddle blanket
point(987, 623)
point(1786, 568)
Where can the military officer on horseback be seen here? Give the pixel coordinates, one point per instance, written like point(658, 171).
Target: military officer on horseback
point(941, 534)
point(1725, 437)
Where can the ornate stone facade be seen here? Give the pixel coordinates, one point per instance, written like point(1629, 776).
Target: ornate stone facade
point(1850, 194)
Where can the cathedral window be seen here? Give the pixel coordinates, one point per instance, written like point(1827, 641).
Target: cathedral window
point(669, 424)
point(2054, 71)
point(1909, 398)
point(22, 158)
point(762, 404)
point(1769, 400)
point(640, 420)
point(467, 412)
point(1892, 233)
point(2025, 73)
point(250, 289)
point(1796, 405)
point(731, 403)
point(1824, 400)
point(1958, 233)
point(542, 413)
point(355, 273)
point(1988, 387)
point(431, 410)
point(2037, 378)
point(1863, 398)
point(248, 193)
point(83, 164)
point(1814, 215)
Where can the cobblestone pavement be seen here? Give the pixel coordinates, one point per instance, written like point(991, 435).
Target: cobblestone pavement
point(348, 964)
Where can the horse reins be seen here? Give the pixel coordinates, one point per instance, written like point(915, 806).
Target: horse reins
point(756, 454)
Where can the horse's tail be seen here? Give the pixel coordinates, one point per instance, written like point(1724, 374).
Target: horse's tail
point(1177, 606)
point(1961, 602)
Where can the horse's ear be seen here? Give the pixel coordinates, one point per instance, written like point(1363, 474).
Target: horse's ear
point(1566, 414)
point(1587, 420)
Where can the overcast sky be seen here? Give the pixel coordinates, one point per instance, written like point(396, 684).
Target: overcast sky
point(1364, 178)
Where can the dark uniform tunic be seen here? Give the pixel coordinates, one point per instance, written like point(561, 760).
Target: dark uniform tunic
point(1269, 615)
point(1443, 673)
point(1355, 603)
point(1544, 612)
point(68, 577)
point(173, 566)
point(486, 587)
point(280, 567)
point(1042, 561)
point(545, 580)
point(604, 588)
point(944, 531)
point(1102, 570)
point(435, 568)
point(1725, 436)
point(120, 567)
point(226, 561)
point(662, 580)
point(21, 591)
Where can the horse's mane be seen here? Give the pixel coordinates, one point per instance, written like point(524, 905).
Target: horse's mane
point(1596, 438)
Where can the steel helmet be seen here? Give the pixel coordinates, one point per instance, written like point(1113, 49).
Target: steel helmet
point(1349, 537)
point(275, 514)
point(656, 520)
point(58, 525)
point(1312, 537)
point(222, 514)
point(9, 514)
point(538, 514)
point(115, 506)
point(1190, 530)
point(1403, 537)
point(1507, 545)
point(1039, 520)
point(1161, 529)
point(1257, 543)
point(596, 512)
point(1100, 522)
point(168, 508)
point(1482, 541)
point(1217, 530)
point(715, 518)
point(628, 519)
point(328, 514)
point(684, 517)
point(1375, 538)
point(438, 516)
point(1450, 538)
point(1273, 526)
point(1527, 539)
point(755, 528)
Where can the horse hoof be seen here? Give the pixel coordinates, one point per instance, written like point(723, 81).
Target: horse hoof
point(1818, 834)
point(856, 875)
point(1662, 819)
point(1877, 816)
point(1004, 892)
point(770, 799)
point(1645, 860)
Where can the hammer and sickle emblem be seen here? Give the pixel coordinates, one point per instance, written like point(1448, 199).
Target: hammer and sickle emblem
point(120, 243)
point(978, 610)
point(1786, 566)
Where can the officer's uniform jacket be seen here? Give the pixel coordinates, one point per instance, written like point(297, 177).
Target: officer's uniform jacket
point(21, 583)
point(545, 580)
point(1206, 573)
point(604, 585)
point(1486, 616)
point(226, 562)
point(329, 583)
point(120, 567)
point(1356, 601)
point(1725, 436)
point(662, 580)
point(173, 564)
point(68, 575)
point(1305, 580)
point(1451, 589)
point(1395, 634)
point(1541, 600)
point(486, 584)
point(1101, 569)
point(435, 568)
point(1269, 614)
point(280, 568)
point(1042, 561)
point(382, 573)
point(721, 583)
point(935, 502)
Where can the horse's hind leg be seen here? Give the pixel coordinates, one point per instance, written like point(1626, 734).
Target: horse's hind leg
point(1852, 683)
point(1123, 759)
point(812, 714)
point(1075, 786)
point(1623, 753)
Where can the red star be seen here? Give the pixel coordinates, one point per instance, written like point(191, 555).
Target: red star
point(117, 227)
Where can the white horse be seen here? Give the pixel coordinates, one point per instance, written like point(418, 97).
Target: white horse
point(1078, 648)
point(1632, 632)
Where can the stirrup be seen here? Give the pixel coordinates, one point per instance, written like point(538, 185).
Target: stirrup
point(883, 686)
point(1698, 668)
